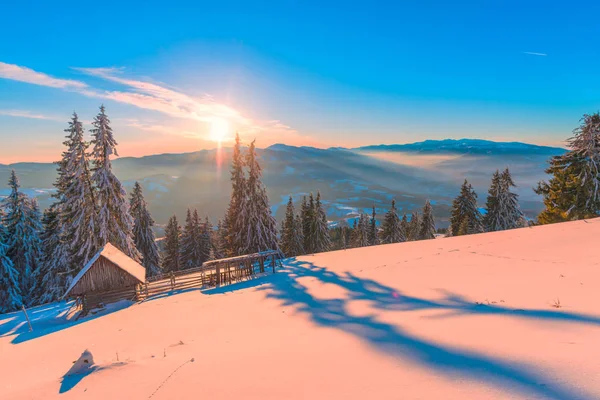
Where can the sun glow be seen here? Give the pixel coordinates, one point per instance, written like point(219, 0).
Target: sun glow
point(219, 130)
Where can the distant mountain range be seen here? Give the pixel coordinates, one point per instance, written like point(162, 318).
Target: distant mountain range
point(350, 180)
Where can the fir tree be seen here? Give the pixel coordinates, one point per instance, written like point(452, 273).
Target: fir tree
point(361, 232)
point(491, 219)
point(573, 191)
point(291, 243)
point(191, 256)
point(206, 244)
point(54, 271)
point(143, 235)
point(373, 234)
point(23, 226)
point(404, 227)
point(76, 205)
point(307, 217)
point(219, 240)
point(10, 294)
point(259, 228)
point(115, 224)
point(427, 229)
point(171, 258)
point(391, 230)
point(234, 218)
point(414, 226)
point(463, 206)
point(510, 213)
point(320, 228)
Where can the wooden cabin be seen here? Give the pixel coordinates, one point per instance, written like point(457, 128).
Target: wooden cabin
point(109, 276)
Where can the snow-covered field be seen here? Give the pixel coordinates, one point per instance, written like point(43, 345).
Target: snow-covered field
point(509, 315)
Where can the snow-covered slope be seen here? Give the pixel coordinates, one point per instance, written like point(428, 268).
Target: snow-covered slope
point(508, 315)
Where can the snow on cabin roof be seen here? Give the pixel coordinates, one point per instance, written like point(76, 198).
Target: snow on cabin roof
point(117, 257)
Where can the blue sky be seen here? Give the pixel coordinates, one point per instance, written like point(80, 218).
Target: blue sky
point(298, 72)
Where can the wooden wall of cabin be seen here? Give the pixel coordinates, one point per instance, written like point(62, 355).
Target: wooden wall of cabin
point(103, 276)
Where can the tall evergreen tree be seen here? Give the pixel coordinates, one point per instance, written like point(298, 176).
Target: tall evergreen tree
point(373, 231)
point(291, 244)
point(307, 217)
point(220, 240)
point(404, 227)
point(10, 294)
point(492, 220)
point(143, 235)
point(427, 229)
point(206, 244)
point(320, 229)
point(23, 227)
point(360, 232)
point(191, 251)
point(76, 200)
point(115, 224)
point(391, 230)
point(573, 191)
point(259, 228)
point(171, 260)
point(414, 226)
point(463, 206)
point(234, 218)
point(299, 237)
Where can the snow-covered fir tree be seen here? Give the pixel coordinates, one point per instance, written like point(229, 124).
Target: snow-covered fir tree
point(360, 233)
point(76, 200)
point(190, 248)
point(259, 228)
point(291, 243)
point(404, 226)
point(511, 215)
point(321, 241)
point(143, 235)
point(206, 244)
point(234, 219)
point(414, 226)
point(373, 231)
point(491, 220)
point(392, 232)
point(23, 226)
point(220, 240)
point(465, 206)
point(171, 260)
point(54, 270)
point(10, 292)
point(427, 229)
point(573, 191)
point(307, 216)
point(114, 223)
point(299, 237)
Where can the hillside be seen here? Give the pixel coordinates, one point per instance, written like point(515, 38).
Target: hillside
point(350, 180)
point(506, 315)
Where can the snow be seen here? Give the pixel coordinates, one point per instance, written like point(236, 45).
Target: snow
point(468, 317)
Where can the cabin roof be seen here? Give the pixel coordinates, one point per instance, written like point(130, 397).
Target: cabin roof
point(118, 258)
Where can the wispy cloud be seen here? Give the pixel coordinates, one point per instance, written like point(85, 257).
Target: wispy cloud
point(24, 74)
point(161, 98)
point(531, 53)
point(27, 114)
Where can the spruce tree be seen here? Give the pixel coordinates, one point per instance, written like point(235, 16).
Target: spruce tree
point(76, 205)
point(573, 191)
point(234, 218)
point(373, 234)
point(23, 227)
point(191, 255)
point(511, 215)
point(320, 228)
point(114, 222)
point(299, 236)
point(414, 226)
point(290, 241)
point(361, 232)
point(307, 217)
point(427, 229)
point(220, 240)
point(143, 235)
point(206, 243)
point(463, 206)
point(404, 227)
point(171, 260)
point(492, 220)
point(10, 294)
point(391, 230)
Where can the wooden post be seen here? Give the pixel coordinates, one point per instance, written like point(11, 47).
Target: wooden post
point(218, 275)
point(172, 280)
point(27, 317)
point(273, 261)
point(261, 262)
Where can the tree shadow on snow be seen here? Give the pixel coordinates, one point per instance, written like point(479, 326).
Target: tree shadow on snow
point(393, 341)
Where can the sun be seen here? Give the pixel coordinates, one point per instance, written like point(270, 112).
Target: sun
point(219, 130)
